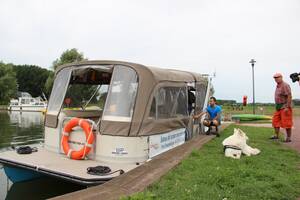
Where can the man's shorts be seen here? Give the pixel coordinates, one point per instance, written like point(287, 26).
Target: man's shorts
point(210, 120)
point(283, 119)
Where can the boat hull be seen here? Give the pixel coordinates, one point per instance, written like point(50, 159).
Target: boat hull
point(17, 175)
point(27, 108)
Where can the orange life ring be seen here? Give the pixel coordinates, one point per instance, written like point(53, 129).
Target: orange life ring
point(84, 124)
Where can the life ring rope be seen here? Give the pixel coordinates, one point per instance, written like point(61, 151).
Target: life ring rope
point(86, 143)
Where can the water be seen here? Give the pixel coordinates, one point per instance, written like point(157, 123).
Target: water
point(27, 129)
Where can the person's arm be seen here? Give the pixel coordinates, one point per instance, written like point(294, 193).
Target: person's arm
point(218, 116)
point(289, 97)
point(199, 115)
point(289, 101)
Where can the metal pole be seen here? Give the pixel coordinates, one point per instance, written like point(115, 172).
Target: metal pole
point(253, 89)
point(252, 61)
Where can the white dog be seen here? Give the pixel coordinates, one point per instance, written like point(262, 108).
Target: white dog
point(236, 144)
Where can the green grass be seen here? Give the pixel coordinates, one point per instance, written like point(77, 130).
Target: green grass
point(207, 174)
point(227, 111)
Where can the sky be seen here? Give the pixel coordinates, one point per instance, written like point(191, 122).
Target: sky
point(203, 36)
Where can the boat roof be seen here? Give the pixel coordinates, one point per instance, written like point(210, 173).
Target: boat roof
point(150, 79)
point(155, 73)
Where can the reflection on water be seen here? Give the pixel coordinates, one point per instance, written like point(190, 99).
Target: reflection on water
point(20, 128)
point(23, 129)
point(26, 119)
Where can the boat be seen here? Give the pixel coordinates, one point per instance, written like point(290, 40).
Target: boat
point(105, 118)
point(250, 117)
point(26, 102)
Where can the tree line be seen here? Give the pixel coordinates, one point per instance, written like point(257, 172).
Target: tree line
point(31, 78)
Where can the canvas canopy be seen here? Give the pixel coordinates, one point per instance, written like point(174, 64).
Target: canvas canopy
point(149, 84)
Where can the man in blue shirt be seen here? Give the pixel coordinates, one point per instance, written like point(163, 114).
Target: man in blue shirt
point(213, 114)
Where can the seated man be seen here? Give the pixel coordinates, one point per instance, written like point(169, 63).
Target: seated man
point(213, 115)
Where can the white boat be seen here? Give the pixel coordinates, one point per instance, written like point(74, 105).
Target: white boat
point(111, 115)
point(27, 103)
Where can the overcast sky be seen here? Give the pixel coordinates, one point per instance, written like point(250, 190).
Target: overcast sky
point(202, 36)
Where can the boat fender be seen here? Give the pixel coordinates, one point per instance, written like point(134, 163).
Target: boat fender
point(88, 130)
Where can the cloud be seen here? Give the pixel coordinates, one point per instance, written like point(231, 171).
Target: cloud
point(200, 36)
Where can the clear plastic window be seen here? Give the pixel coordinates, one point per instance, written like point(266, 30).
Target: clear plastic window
point(201, 89)
point(58, 91)
point(85, 97)
point(121, 96)
point(169, 102)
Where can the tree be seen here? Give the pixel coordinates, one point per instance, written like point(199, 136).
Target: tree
point(68, 56)
point(8, 83)
point(49, 83)
point(31, 79)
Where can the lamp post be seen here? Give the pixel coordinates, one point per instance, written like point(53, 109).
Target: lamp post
point(252, 61)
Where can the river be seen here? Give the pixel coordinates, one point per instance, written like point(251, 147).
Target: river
point(27, 128)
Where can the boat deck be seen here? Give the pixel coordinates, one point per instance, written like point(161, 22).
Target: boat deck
point(60, 166)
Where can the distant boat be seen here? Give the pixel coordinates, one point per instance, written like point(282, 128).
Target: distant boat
point(26, 102)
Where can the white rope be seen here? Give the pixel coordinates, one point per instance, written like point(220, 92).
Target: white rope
point(88, 145)
point(69, 153)
point(90, 133)
point(94, 125)
point(80, 121)
point(65, 133)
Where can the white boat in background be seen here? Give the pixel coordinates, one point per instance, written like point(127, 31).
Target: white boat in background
point(27, 103)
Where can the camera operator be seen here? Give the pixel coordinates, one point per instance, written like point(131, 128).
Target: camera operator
point(295, 77)
point(283, 117)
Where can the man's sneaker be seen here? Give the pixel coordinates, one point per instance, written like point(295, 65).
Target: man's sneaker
point(274, 137)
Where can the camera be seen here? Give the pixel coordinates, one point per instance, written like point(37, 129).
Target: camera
point(295, 77)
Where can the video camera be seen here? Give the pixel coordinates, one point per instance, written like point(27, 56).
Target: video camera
point(295, 77)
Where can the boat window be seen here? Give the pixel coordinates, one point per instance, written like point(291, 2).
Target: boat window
point(169, 102)
point(97, 75)
point(58, 91)
point(85, 97)
point(201, 89)
point(121, 96)
point(88, 88)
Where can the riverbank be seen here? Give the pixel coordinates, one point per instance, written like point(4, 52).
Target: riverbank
point(207, 174)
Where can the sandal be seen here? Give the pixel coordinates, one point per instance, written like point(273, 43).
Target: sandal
point(274, 137)
point(288, 140)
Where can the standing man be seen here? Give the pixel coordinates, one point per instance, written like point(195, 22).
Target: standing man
point(283, 117)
